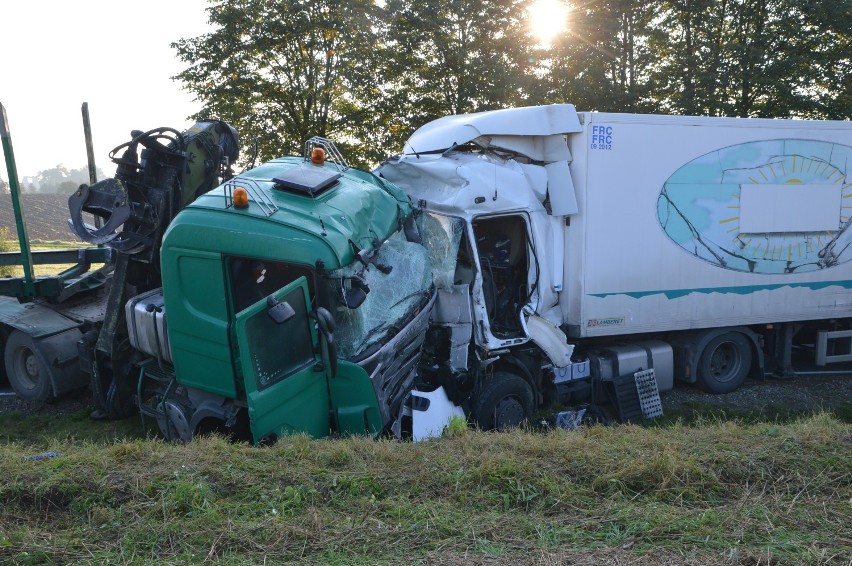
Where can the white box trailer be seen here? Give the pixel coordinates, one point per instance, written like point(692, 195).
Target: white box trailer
point(706, 249)
point(688, 222)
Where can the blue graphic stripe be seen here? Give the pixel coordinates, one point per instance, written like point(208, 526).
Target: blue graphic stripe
point(742, 290)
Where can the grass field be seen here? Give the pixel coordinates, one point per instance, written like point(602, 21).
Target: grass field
point(702, 492)
point(710, 488)
point(36, 245)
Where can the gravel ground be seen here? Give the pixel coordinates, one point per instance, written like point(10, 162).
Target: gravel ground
point(67, 405)
point(799, 394)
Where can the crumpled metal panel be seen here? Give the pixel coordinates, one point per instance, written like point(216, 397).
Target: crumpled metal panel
point(450, 131)
point(359, 207)
point(393, 368)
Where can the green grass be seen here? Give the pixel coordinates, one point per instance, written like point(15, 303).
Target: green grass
point(6, 245)
point(710, 492)
point(40, 429)
point(57, 245)
point(9, 243)
point(703, 412)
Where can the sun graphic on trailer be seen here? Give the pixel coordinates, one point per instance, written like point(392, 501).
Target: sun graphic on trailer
point(775, 206)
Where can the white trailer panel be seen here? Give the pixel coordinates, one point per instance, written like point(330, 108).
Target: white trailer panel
point(690, 222)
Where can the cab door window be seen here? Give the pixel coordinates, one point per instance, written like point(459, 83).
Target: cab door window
point(278, 350)
point(252, 279)
point(501, 244)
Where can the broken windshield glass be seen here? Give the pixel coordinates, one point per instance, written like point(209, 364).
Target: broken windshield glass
point(442, 236)
point(399, 279)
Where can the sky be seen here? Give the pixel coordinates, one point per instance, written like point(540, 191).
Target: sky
point(112, 54)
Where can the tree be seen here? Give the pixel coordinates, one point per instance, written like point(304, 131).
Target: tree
point(281, 70)
point(368, 75)
point(48, 180)
point(831, 81)
point(603, 61)
point(4, 186)
point(769, 58)
point(60, 179)
point(445, 57)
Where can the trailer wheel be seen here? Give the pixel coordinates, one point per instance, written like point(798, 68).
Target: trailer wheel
point(28, 372)
point(724, 363)
point(504, 402)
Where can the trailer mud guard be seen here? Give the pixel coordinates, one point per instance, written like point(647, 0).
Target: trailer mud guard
point(33, 319)
point(43, 368)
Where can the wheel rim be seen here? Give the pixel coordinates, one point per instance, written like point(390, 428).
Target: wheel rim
point(725, 362)
point(27, 368)
point(509, 412)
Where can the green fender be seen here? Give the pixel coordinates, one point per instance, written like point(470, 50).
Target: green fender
point(356, 409)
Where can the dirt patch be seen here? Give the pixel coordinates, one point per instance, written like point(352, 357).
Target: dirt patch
point(46, 216)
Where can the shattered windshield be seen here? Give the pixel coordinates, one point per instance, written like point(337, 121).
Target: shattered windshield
point(398, 279)
point(442, 236)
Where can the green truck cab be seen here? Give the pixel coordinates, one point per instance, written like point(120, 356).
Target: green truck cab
point(321, 244)
point(291, 298)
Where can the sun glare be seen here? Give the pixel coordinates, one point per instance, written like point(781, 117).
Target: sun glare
point(547, 19)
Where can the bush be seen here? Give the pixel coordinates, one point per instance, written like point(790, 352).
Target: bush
point(6, 245)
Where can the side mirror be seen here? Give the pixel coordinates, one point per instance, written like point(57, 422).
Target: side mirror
point(279, 312)
point(327, 326)
point(357, 292)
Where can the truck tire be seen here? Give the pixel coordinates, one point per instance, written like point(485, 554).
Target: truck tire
point(725, 363)
point(505, 401)
point(28, 372)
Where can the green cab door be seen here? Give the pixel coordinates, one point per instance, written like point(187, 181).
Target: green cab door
point(288, 386)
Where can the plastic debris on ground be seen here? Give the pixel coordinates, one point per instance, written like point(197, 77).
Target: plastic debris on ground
point(570, 420)
point(586, 414)
point(431, 413)
point(43, 456)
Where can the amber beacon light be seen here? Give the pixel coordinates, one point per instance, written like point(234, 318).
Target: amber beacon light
point(241, 197)
point(318, 155)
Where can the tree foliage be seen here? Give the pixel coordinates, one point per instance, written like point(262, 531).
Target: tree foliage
point(445, 57)
point(280, 70)
point(368, 75)
point(768, 58)
point(62, 180)
point(605, 61)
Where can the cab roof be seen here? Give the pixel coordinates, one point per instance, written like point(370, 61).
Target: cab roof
point(337, 204)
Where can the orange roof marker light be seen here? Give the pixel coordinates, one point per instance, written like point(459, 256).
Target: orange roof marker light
point(241, 197)
point(318, 156)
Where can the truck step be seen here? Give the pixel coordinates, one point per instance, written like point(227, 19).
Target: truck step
point(649, 393)
point(636, 396)
point(150, 370)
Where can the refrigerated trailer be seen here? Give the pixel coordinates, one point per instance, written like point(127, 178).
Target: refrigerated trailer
point(706, 249)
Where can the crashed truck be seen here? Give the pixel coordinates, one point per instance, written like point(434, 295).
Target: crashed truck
point(586, 255)
point(503, 261)
point(291, 298)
